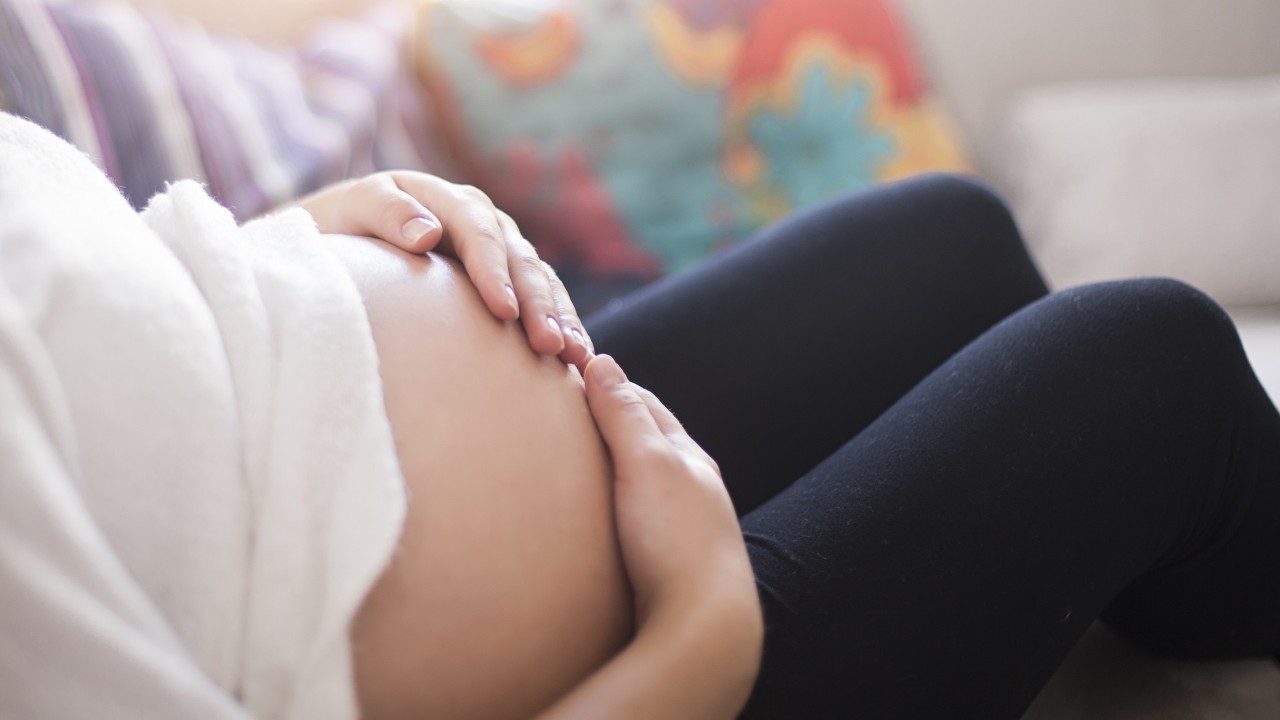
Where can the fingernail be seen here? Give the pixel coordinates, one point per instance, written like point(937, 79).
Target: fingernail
point(555, 325)
point(511, 295)
point(417, 227)
point(577, 335)
point(608, 372)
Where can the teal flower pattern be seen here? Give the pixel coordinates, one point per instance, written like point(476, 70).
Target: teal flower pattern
point(828, 146)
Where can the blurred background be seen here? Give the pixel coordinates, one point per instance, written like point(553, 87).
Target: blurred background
point(1132, 137)
point(634, 137)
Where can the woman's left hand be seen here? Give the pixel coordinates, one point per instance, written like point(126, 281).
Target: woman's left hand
point(419, 213)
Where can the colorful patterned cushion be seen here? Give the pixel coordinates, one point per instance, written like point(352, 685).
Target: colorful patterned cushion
point(633, 138)
point(151, 100)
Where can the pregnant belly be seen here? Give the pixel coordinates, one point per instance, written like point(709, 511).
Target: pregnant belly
point(508, 588)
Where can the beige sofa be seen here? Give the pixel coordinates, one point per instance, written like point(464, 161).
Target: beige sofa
point(1123, 133)
point(1174, 87)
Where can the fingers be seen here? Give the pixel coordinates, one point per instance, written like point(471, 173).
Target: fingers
point(672, 428)
point(462, 221)
point(538, 308)
point(578, 348)
point(379, 208)
point(665, 419)
point(626, 423)
point(540, 289)
point(632, 420)
point(474, 235)
point(393, 206)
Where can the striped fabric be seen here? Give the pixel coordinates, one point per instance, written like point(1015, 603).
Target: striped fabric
point(152, 100)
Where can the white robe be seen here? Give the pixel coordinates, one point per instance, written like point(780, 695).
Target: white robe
point(198, 483)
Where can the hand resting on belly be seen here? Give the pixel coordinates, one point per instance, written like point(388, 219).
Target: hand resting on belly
point(508, 588)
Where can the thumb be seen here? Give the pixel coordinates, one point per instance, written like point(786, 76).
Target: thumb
point(625, 420)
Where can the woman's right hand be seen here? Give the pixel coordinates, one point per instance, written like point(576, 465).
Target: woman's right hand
point(681, 542)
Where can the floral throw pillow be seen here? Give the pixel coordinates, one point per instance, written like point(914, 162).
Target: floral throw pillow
point(631, 138)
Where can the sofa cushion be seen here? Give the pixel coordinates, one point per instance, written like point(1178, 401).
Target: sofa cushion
point(152, 100)
point(980, 54)
point(1173, 178)
point(632, 139)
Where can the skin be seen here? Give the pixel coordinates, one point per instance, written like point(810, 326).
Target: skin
point(509, 587)
point(568, 550)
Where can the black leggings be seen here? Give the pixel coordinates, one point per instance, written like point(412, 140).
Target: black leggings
point(945, 474)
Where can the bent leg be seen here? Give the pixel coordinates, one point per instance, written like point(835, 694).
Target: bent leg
point(776, 352)
point(944, 561)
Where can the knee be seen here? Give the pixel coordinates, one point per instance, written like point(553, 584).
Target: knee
point(938, 204)
point(1161, 314)
point(965, 189)
point(1178, 299)
point(1157, 301)
point(971, 216)
point(962, 196)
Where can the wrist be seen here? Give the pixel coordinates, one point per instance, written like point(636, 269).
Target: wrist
point(696, 660)
point(715, 634)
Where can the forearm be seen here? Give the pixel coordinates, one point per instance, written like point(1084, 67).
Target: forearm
point(689, 663)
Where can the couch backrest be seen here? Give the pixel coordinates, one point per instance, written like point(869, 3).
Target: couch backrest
point(980, 53)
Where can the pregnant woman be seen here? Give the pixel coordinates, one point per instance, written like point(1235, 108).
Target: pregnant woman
point(936, 475)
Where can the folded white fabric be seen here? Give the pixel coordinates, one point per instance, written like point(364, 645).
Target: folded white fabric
point(198, 483)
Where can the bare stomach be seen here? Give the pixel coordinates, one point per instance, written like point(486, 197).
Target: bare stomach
point(508, 588)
